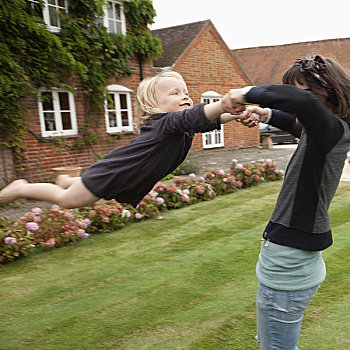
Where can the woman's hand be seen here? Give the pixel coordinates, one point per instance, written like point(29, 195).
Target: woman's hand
point(233, 102)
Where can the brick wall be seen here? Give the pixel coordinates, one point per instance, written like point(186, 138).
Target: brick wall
point(40, 157)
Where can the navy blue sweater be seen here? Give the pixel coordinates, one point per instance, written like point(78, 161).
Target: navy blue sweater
point(128, 173)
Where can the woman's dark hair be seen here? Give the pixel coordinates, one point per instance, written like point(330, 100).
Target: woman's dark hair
point(327, 79)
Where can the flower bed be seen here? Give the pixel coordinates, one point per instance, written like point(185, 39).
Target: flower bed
point(55, 226)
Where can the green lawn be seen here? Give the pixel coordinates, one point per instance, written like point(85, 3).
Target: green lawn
point(187, 282)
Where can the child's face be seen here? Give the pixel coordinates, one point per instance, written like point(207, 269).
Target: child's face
point(172, 95)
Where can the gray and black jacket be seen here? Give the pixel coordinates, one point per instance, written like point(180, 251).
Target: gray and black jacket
point(300, 219)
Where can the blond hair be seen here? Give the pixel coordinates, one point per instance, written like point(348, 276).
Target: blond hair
point(146, 104)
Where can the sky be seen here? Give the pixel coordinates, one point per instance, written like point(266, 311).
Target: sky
point(251, 23)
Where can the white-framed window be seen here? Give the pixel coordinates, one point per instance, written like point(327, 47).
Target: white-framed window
point(57, 113)
point(114, 18)
point(215, 138)
point(118, 109)
point(50, 12)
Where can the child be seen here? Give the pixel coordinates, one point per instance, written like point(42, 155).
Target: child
point(314, 104)
point(128, 173)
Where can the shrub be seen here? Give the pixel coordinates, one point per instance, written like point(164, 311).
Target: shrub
point(14, 242)
point(53, 227)
point(197, 189)
point(173, 197)
point(106, 216)
point(149, 207)
point(221, 182)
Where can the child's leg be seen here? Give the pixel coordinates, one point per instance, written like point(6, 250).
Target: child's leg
point(75, 196)
point(65, 180)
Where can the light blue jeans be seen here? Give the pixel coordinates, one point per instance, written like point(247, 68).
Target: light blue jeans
point(279, 316)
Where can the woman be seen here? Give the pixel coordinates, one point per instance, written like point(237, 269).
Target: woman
point(314, 104)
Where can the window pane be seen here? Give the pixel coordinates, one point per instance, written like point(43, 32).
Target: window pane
point(53, 17)
point(125, 120)
point(119, 27)
point(206, 100)
point(123, 104)
point(66, 121)
point(111, 26)
point(61, 3)
point(208, 139)
point(110, 102)
point(117, 11)
point(50, 124)
point(112, 119)
point(47, 101)
point(52, 2)
point(64, 101)
point(110, 9)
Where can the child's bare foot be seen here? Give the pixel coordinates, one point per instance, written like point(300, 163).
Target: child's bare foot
point(12, 191)
point(63, 181)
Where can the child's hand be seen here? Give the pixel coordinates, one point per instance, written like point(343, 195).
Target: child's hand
point(227, 117)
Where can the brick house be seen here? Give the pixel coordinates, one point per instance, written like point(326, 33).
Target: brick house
point(203, 59)
point(265, 65)
point(199, 54)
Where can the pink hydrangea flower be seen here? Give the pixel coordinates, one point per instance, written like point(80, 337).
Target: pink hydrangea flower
point(10, 240)
point(224, 179)
point(87, 222)
point(36, 211)
point(239, 166)
point(186, 191)
point(234, 161)
point(126, 213)
point(32, 226)
point(55, 206)
point(221, 172)
point(262, 179)
point(138, 216)
point(85, 236)
point(92, 213)
point(201, 178)
point(160, 200)
point(192, 175)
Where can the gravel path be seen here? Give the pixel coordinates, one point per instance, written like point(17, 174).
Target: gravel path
point(280, 154)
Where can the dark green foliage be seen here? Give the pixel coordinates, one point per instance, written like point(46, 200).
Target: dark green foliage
point(32, 57)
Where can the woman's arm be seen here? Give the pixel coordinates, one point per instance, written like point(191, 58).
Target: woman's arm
point(320, 123)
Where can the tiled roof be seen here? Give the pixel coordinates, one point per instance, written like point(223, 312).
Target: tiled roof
point(265, 65)
point(175, 40)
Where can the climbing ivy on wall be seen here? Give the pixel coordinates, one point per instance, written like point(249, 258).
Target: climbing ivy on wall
point(32, 57)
